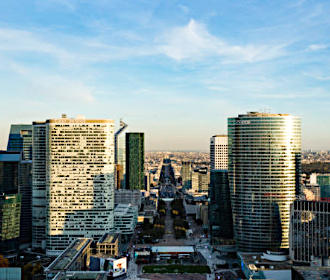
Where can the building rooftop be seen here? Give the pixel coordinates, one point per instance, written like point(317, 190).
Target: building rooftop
point(108, 238)
point(64, 260)
point(262, 114)
point(312, 272)
point(174, 249)
point(16, 128)
point(10, 156)
point(124, 209)
point(266, 261)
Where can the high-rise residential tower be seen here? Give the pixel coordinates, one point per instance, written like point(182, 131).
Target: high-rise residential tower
point(20, 140)
point(79, 180)
point(135, 161)
point(219, 152)
point(264, 166)
point(120, 155)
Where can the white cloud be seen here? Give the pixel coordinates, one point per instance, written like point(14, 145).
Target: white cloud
point(317, 47)
point(194, 42)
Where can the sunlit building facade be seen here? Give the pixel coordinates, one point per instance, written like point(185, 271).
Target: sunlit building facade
point(264, 166)
point(219, 152)
point(73, 182)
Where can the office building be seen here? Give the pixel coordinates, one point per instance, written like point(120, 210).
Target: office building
point(9, 162)
point(125, 218)
point(309, 232)
point(10, 211)
point(123, 196)
point(20, 140)
point(220, 213)
point(78, 177)
point(16, 178)
point(264, 167)
point(25, 190)
point(200, 179)
point(39, 201)
point(120, 155)
point(323, 180)
point(219, 152)
point(135, 161)
point(186, 173)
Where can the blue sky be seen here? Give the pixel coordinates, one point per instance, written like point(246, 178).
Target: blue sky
point(173, 69)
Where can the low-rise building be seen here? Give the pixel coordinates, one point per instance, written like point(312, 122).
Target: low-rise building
point(269, 265)
point(168, 252)
point(73, 258)
point(310, 272)
point(108, 245)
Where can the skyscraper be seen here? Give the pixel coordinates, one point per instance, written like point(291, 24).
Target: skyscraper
point(186, 174)
point(20, 140)
point(309, 232)
point(135, 161)
point(9, 162)
point(39, 201)
point(10, 204)
point(79, 179)
point(264, 166)
point(120, 155)
point(10, 211)
point(220, 214)
point(219, 152)
point(25, 190)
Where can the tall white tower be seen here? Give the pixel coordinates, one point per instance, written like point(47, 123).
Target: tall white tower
point(79, 180)
point(219, 152)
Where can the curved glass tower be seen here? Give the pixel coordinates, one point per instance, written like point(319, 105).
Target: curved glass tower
point(264, 166)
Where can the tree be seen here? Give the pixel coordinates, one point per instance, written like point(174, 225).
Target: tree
point(3, 261)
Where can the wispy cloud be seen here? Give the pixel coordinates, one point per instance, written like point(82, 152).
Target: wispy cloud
point(191, 42)
point(317, 47)
point(194, 42)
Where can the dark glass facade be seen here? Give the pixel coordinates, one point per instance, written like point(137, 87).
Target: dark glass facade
point(9, 162)
point(10, 210)
point(220, 214)
point(25, 190)
point(135, 161)
point(20, 140)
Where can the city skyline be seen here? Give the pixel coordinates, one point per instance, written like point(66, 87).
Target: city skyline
point(174, 70)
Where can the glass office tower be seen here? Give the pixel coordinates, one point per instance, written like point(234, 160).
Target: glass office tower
point(20, 140)
point(120, 156)
point(220, 214)
point(135, 161)
point(264, 166)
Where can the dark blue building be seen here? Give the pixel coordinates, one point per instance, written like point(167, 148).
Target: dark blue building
point(20, 140)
